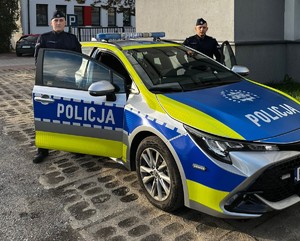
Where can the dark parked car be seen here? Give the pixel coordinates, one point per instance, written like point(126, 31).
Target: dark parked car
point(26, 44)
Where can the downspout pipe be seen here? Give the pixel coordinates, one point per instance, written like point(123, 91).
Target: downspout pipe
point(28, 15)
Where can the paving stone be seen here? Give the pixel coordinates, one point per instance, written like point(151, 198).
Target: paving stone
point(104, 200)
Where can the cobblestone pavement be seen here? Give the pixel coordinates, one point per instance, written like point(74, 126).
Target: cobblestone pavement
point(103, 201)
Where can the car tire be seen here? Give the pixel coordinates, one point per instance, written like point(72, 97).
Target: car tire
point(18, 54)
point(158, 174)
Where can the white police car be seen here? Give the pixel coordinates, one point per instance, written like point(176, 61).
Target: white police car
point(197, 133)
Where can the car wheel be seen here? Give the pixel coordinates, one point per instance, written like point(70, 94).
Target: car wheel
point(18, 54)
point(158, 174)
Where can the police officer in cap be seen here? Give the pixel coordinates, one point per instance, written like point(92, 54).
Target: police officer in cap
point(58, 39)
point(203, 43)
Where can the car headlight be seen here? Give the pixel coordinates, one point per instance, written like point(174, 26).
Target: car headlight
point(220, 148)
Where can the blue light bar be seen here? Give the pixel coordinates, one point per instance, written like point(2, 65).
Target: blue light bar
point(119, 36)
point(107, 36)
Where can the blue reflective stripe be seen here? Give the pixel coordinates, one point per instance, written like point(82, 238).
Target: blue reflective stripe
point(214, 176)
point(135, 119)
point(80, 113)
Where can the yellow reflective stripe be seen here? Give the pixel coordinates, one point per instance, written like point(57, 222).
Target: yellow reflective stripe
point(78, 144)
point(124, 156)
point(197, 119)
point(206, 196)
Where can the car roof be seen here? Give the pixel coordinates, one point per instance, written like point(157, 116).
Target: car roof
point(26, 35)
point(129, 44)
point(129, 40)
point(29, 36)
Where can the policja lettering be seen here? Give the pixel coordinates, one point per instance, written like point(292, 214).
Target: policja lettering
point(271, 114)
point(90, 114)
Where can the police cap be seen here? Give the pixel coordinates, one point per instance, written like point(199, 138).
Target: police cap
point(200, 21)
point(58, 14)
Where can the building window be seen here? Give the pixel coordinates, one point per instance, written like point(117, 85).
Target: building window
point(62, 8)
point(79, 12)
point(95, 16)
point(41, 15)
point(126, 17)
point(111, 17)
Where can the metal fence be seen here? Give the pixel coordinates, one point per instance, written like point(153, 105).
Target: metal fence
point(87, 33)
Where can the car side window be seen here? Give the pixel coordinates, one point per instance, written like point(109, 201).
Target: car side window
point(64, 69)
point(59, 69)
point(114, 63)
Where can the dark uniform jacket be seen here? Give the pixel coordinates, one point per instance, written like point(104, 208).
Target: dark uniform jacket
point(62, 40)
point(206, 45)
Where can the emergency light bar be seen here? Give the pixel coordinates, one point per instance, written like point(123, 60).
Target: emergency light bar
point(119, 36)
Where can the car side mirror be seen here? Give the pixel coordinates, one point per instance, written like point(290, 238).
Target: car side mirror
point(101, 88)
point(241, 70)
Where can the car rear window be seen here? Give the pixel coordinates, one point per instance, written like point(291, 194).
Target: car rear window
point(29, 38)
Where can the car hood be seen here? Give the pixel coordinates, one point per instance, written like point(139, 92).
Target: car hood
point(242, 110)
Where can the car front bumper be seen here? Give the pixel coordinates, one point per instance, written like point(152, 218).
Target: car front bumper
point(271, 183)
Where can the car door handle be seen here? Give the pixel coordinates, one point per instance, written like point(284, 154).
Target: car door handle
point(44, 99)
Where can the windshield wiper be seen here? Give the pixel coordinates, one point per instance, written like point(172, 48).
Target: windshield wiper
point(164, 88)
point(218, 82)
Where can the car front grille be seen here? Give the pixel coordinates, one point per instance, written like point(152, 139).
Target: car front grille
point(278, 181)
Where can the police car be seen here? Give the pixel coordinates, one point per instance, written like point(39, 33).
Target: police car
point(196, 133)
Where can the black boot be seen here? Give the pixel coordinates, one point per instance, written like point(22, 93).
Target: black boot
point(42, 153)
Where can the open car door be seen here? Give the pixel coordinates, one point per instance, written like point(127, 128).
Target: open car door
point(78, 104)
point(227, 54)
point(229, 60)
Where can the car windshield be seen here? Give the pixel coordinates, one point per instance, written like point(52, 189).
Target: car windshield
point(177, 68)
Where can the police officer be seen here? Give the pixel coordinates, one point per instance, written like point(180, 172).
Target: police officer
point(58, 39)
point(203, 43)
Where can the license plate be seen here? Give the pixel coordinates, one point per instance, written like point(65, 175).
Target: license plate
point(297, 174)
point(26, 47)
